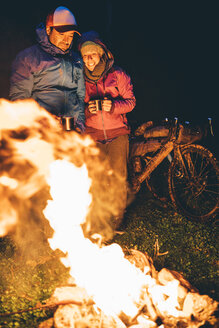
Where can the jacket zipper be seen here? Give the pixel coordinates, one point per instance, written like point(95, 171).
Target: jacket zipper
point(104, 131)
point(63, 80)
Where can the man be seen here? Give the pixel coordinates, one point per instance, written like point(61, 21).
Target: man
point(50, 72)
point(109, 97)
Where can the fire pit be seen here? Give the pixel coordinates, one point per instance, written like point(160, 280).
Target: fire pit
point(166, 300)
point(111, 287)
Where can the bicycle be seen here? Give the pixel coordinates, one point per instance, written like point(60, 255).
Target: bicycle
point(175, 167)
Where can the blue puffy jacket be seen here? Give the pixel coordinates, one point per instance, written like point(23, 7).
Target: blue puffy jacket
point(50, 76)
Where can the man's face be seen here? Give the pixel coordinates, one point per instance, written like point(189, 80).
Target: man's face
point(61, 40)
point(91, 59)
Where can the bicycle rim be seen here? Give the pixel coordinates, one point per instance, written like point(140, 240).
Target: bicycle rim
point(194, 184)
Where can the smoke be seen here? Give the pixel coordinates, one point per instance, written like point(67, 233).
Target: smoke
point(30, 140)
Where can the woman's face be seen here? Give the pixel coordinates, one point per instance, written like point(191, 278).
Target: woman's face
point(91, 59)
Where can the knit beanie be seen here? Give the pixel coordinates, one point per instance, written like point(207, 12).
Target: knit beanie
point(61, 19)
point(90, 46)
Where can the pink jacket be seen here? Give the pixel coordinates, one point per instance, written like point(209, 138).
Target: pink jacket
point(117, 86)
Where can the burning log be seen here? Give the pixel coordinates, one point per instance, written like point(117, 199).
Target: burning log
point(70, 294)
point(165, 276)
point(72, 316)
point(82, 315)
point(199, 307)
point(197, 311)
point(192, 310)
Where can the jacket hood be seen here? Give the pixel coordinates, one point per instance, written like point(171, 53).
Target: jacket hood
point(46, 45)
point(93, 36)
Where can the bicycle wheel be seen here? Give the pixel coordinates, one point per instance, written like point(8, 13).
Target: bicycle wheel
point(194, 182)
point(157, 182)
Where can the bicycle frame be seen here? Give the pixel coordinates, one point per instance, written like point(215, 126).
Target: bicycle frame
point(162, 153)
point(156, 160)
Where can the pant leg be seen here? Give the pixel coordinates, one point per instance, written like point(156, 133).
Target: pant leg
point(117, 152)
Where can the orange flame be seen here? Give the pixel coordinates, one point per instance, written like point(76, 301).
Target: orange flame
point(36, 153)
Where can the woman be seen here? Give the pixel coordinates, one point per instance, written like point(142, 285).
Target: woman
point(109, 96)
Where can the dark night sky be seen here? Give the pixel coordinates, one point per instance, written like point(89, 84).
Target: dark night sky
point(169, 48)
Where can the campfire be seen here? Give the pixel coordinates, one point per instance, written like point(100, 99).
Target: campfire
point(108, 287)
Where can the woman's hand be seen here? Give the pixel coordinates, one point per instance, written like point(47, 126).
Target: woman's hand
point(106, 104)
point(92, 107)
point(96, 105)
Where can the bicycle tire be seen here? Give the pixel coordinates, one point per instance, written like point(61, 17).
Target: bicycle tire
point(194, 189)
point(157, 182)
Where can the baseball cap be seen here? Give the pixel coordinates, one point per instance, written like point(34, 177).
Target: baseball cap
point(62, 20)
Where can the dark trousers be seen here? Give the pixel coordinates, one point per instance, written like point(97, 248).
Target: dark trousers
point(117, 152)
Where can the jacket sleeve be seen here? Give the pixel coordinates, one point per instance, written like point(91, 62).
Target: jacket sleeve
point(126, 101)
point(21, 79)
point(80, 121)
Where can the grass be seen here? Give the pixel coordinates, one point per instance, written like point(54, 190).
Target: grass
point(192, 246)
point(192, 250)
